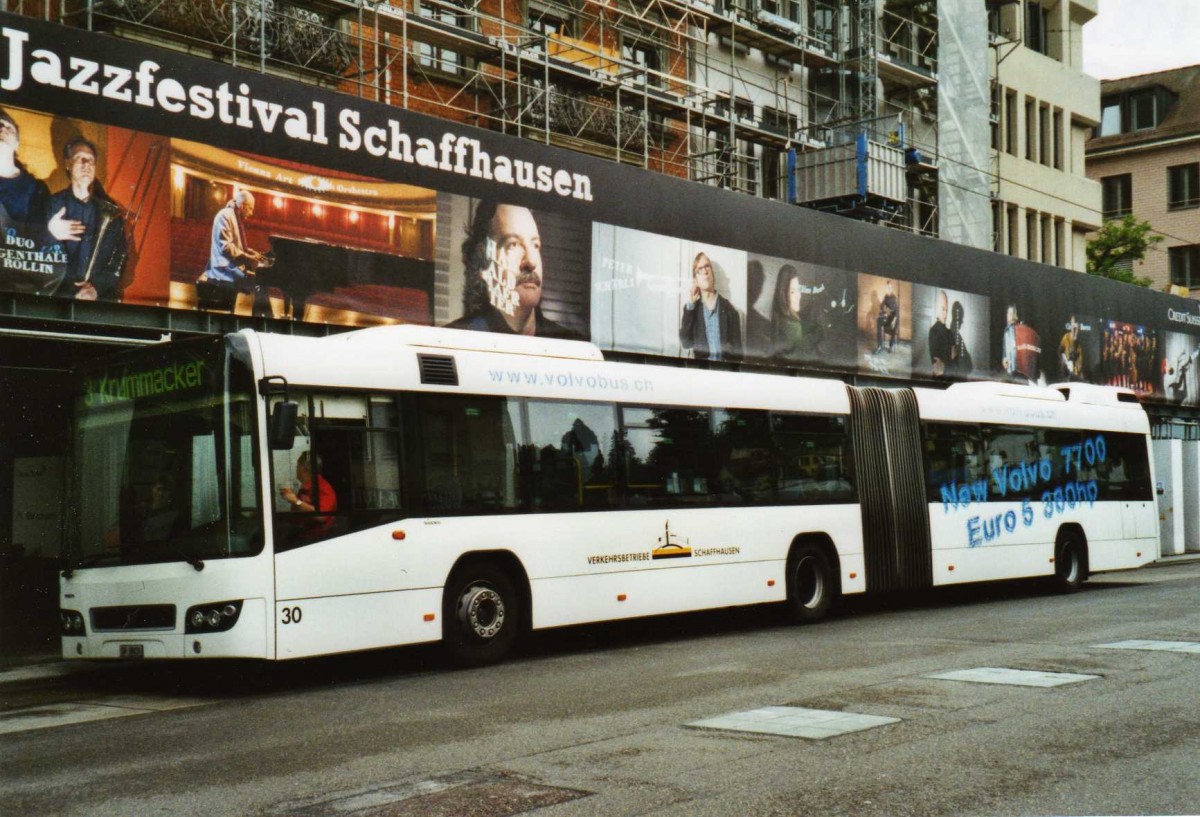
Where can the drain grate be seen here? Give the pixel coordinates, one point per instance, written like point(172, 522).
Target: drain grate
point(467, 795)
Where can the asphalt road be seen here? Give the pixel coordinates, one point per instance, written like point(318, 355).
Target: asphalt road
point(596, 721)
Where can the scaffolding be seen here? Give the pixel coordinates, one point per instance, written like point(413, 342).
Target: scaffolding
point(722, 92)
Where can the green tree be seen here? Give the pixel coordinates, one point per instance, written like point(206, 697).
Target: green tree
point(1123, 239)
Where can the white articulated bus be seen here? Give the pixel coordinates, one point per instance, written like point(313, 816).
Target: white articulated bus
point(274, 497)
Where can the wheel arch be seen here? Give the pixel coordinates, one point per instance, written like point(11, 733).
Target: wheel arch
point(1074, 529)
point(823, 542)
point(507, 561)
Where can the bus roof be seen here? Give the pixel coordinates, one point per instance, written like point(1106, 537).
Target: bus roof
point(484, 363)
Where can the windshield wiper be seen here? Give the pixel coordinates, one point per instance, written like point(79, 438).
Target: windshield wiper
point(196, 562)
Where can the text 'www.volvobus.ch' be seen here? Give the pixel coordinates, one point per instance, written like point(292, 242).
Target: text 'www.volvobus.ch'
point(563, 380)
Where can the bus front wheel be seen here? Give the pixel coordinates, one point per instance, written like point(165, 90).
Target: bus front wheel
point(809, 585)
point(480, 615)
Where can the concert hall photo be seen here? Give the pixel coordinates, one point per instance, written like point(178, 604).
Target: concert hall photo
point(277, 239)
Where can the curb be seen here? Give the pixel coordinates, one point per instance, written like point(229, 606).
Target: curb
point(42, 671)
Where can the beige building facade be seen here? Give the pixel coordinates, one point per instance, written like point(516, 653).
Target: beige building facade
point(1044, 109)
point(1146, 157)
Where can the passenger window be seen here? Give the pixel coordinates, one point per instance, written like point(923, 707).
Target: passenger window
point(955, 457)
point(1123, 473)
point(570, 455)
point(747, 459)
point(1014, 456)
point(669, 456)
point(816, 464)
point(469, 446)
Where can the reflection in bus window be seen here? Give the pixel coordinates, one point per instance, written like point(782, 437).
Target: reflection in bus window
point(570, 462)
point(669, 456)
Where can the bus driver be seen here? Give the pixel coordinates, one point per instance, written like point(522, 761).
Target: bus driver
point(302, 500)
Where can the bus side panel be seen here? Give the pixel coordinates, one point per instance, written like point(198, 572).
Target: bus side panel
point(359, 591)
point(673, 560)
point(1007, 540)
point(333, 624)
point(629, 594)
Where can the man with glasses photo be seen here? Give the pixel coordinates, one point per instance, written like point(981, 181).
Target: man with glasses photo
point(710, 327)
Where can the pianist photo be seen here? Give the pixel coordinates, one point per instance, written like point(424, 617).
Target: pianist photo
point(231, 262)
point(502, 261)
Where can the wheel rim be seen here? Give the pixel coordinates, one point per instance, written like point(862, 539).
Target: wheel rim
point(1068, 564)
point(809, 581)
point(481, 612)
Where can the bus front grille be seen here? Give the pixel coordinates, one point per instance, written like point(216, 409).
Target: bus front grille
point(141, 617)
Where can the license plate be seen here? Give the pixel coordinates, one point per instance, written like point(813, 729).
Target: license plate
point(133, 651)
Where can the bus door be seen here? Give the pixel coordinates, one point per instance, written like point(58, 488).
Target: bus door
point(886, 433)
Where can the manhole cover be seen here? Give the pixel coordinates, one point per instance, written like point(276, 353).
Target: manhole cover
point(454, 796)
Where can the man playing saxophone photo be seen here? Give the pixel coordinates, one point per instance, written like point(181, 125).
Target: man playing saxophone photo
point(87, 227)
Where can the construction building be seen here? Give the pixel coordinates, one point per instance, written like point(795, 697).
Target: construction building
point(960, 119)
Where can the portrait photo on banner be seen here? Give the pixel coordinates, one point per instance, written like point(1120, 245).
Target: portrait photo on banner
point(799, 313)
point(512, 269)
point(667, 296)
point(950, 333)
point(884, 325)
point(71, 194)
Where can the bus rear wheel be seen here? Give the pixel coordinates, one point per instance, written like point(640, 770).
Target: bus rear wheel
point(480, 614)
point(809, 585)
point(1070, 567)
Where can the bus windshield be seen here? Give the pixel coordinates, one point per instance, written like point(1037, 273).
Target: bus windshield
point(165, 462)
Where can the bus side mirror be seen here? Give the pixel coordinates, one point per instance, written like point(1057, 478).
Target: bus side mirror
point(282, 432)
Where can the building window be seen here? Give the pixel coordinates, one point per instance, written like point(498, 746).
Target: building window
point(1031, 236)
point(747, 167)
point(1047, 157)
point(645, 57)
point(1185, 265)
point(1030, 129)
point(1058, 139)
point(1010, 122)
point(548, 26)
point(1014, 226)
point(1183, 186)
point(1142, 109)
point(1117, 195)
point(436, 57)
point(1110, 118)
point(1036, 27)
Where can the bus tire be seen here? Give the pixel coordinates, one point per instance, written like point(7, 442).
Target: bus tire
point(481, 614)
point(810, 585)
point(1070, 562)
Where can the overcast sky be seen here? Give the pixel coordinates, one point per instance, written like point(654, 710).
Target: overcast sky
point(1130, 37)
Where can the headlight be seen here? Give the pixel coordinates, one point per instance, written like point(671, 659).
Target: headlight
point(72, 622)
point(215, 617)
